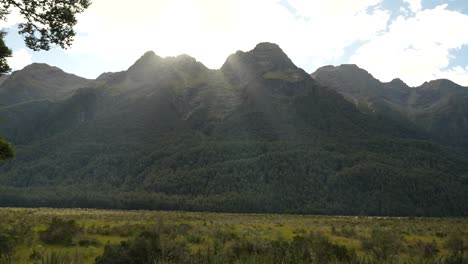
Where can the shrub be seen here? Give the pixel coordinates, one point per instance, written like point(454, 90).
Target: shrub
point(61, 232)
point(145, 248)
point(427, 250)
point(60, 258)
point(88, 242)
point(6, 246)
point(382, 244)
point(454, 243)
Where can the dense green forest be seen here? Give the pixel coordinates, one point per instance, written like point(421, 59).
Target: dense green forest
point(258, 135)
point(247, 177)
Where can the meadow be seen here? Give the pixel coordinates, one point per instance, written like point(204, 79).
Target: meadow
point(44, 235)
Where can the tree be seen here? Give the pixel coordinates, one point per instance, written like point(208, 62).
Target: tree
point(6, 150)
point(47, 22)
point(61, 232)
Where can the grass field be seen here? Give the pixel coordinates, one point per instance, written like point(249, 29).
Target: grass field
point(190, 237)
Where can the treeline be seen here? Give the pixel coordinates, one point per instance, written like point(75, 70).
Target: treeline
point(386, 177)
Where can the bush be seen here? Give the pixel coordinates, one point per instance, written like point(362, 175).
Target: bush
point(427, 250)
point(6, 246)
point(61, 232)
point(88, 242)
point(311, 248)
point(454, 243)
point(59, 257)
point(145, 248)
point(382, 244)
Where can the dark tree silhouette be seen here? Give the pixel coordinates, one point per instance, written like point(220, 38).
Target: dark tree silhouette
point(6, 150)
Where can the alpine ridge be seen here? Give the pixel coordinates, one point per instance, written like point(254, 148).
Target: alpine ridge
point(436, 107)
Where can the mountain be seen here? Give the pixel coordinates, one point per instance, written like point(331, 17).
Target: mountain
point(257, 135)
point(38, 82)
point(439, 107)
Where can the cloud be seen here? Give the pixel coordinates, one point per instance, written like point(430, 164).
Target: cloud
point(316, 32)
point(19, 59)
point(417, 48)
point(414, 5)
point(457, 74)
point(12, 19)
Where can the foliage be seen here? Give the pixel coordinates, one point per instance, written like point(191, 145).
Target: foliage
point(383, 244)
point(5, 52)
point(455, 243)
point(55, 257)
point(147, 247)
point(14, 233)
point(427, 250)
point(61, 232)
point(188, 237)
point(7, 246)
point(6, 150)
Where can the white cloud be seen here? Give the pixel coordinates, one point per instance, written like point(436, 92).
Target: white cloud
point(318, 9)
point(210, 30)
point(414, 5)
point(19, 59)
point(12, 19)
point(417, 48)
point(456, 74)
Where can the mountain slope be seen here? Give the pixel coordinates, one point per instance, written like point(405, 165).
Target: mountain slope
point(438, 107)
point(258, 135)
point(37, 82)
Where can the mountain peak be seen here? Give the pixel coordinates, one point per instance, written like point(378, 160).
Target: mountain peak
point(346, 71)
point(263, 46)
point(271, 57)
point(346, 78)
point(352, 68)
point(439, 83)
point(148, 57)
point(266, 60)
point(397, 83)
point(182, 59)
point(443, 85)
point(149, 54)
point(40, 67)
point(39, 81)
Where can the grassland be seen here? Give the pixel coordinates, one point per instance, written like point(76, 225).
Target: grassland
point(236, 238)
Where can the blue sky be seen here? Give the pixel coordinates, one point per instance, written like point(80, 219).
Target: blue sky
point(415, 40)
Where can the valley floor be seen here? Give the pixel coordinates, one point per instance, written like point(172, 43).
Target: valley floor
point(46, 235)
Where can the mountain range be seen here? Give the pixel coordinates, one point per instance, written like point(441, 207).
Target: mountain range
point(258, 135)
point(437, 107)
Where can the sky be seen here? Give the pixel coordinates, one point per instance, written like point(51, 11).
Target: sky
point(414, 40)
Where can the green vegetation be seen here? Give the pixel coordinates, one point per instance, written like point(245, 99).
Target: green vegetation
point(241, 176)
point(285, 76)
point(61, 232)
point(6, 150)
point(184, 237)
